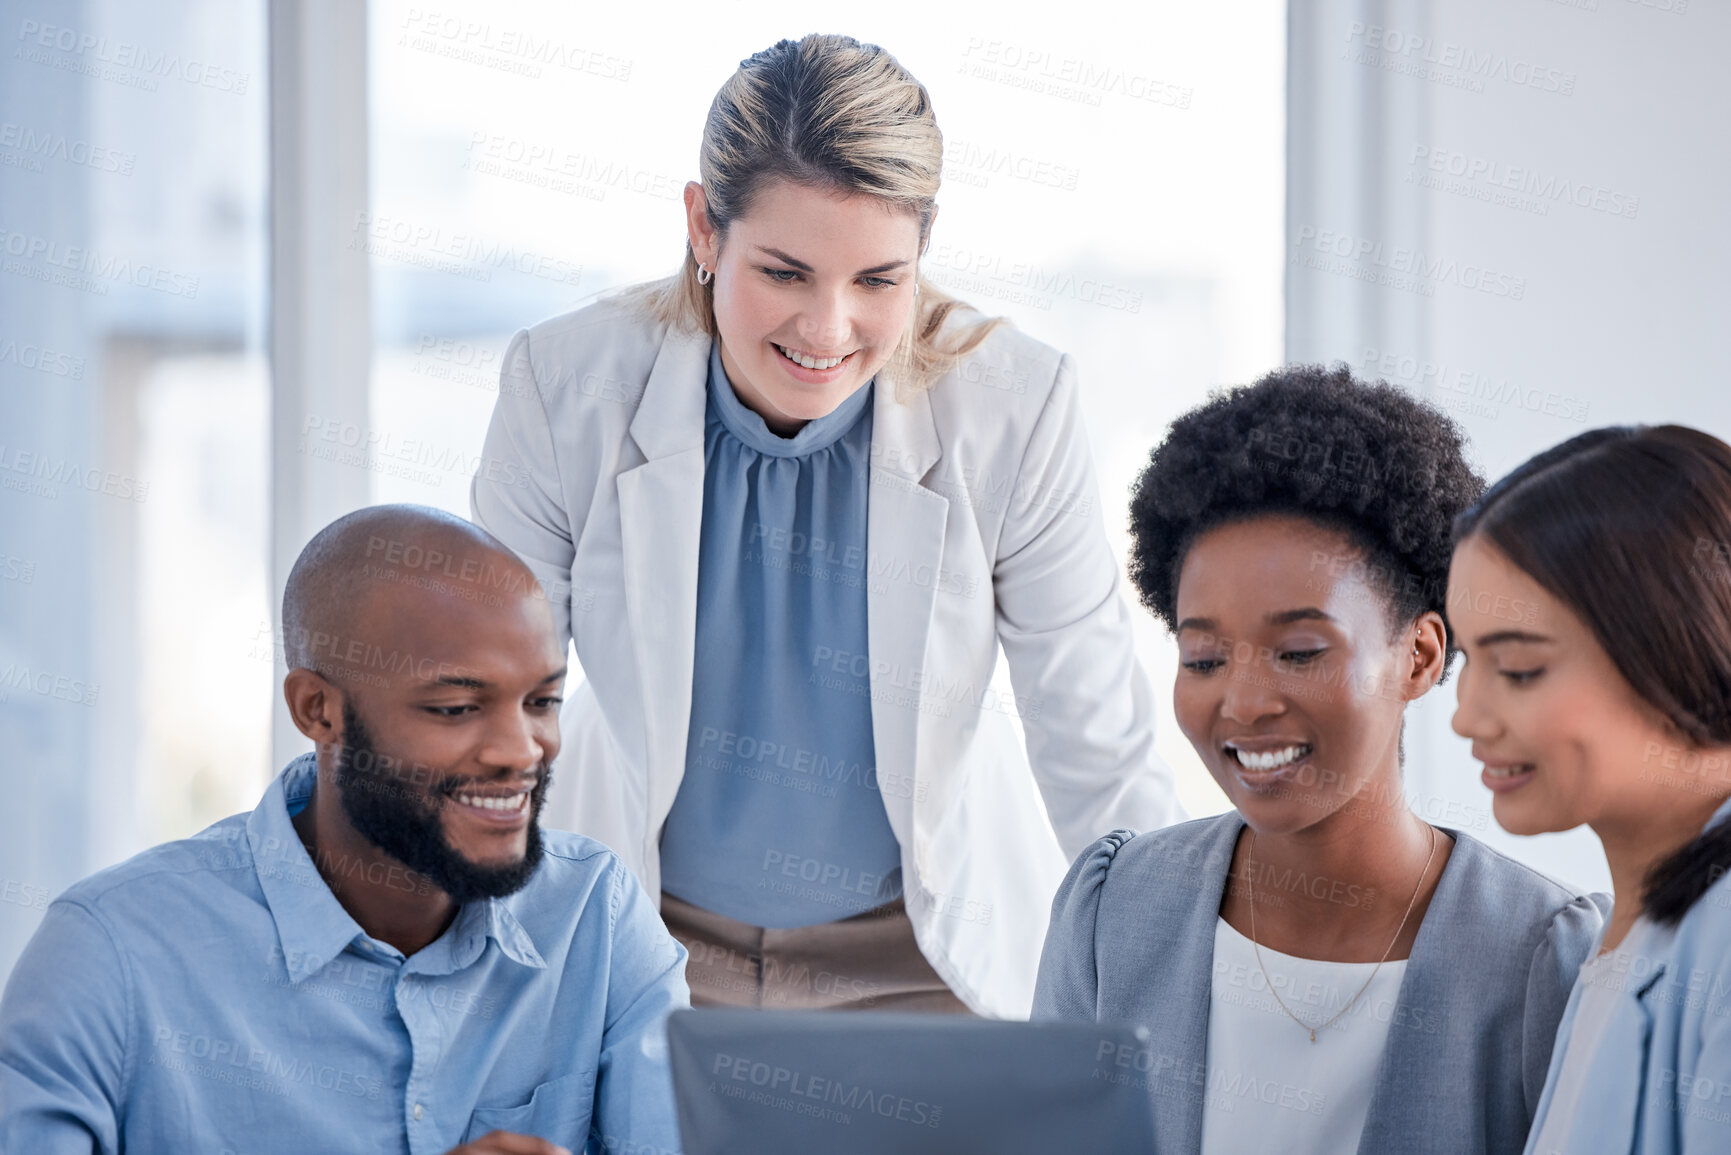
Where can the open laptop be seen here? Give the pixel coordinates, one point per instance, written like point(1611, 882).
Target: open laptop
point(845, 1083)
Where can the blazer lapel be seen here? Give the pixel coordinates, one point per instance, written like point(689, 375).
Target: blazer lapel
point(1619, 1080)
point(904, 549)
point(1441, 986)
point(1171, 994)
point(1430, 986)
point(1631, 1036)
point(661, 523)
point(1193, 991)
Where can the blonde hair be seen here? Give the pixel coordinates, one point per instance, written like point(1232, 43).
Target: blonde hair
point(831, 113)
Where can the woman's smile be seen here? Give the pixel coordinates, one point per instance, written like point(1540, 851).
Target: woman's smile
point(1261, 764)
point(813, 368)
point(1501, 776)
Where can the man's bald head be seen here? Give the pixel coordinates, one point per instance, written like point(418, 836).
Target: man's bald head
point(424, 665)
point(377, 559)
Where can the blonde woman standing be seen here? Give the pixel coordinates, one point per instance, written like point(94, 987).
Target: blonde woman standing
point(789, 504)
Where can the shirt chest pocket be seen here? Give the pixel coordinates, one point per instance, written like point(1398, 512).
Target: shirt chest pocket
point(558, 1112)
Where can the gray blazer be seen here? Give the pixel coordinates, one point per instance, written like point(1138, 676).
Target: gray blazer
point(1132, 940)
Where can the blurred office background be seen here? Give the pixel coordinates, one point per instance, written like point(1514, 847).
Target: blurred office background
point(260, 259)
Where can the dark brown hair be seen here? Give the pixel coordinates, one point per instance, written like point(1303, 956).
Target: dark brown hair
point(1630, 527)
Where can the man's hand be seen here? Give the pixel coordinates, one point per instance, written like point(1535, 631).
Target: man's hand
point(508, 1143)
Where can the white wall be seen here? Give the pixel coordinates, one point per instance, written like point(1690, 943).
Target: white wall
point(1086, 145)
point(1544, 317)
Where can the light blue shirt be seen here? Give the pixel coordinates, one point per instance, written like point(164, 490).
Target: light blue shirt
point(779, 821)
point(212, 996)
point(1658, 1079)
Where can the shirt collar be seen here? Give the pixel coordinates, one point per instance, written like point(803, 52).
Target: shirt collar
point(465, 940)
point(750, 429)
point(312, 926)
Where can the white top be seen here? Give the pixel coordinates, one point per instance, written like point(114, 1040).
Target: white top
point(1603, 980)
point(1269, 1086)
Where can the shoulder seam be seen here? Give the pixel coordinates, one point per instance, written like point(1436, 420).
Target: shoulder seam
point(86, 896)
point(1554, 884)
point(589, 848)
point(613, 903)
point(1034, 429)
point(1202, 825)
point(128, 1049)
point(547, 421)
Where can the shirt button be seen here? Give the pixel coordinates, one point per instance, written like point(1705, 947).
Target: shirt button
point(418, 1111)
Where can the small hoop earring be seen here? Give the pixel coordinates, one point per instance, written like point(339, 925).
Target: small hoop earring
point(704, 276)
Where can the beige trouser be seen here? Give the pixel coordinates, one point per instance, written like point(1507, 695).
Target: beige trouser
point(869, 962)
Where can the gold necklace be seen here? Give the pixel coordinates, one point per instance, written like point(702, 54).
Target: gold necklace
point(1250, 894)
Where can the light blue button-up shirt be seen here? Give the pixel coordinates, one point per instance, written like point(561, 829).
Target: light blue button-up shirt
point(212, 996)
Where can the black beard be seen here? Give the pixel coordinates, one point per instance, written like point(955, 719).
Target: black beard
point(381, 802)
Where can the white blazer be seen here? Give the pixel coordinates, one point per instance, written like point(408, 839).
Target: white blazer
point(983, 530)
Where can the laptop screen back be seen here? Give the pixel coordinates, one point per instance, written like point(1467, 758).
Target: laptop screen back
point(799, 1082)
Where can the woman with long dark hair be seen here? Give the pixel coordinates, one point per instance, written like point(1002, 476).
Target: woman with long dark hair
point(1591, 592)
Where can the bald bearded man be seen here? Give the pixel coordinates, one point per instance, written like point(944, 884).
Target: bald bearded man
point(388, 954)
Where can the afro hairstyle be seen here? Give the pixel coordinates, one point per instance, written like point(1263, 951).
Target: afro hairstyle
point(1367, 460)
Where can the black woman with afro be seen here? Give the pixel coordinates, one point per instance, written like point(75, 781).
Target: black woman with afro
point(1319, 969)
